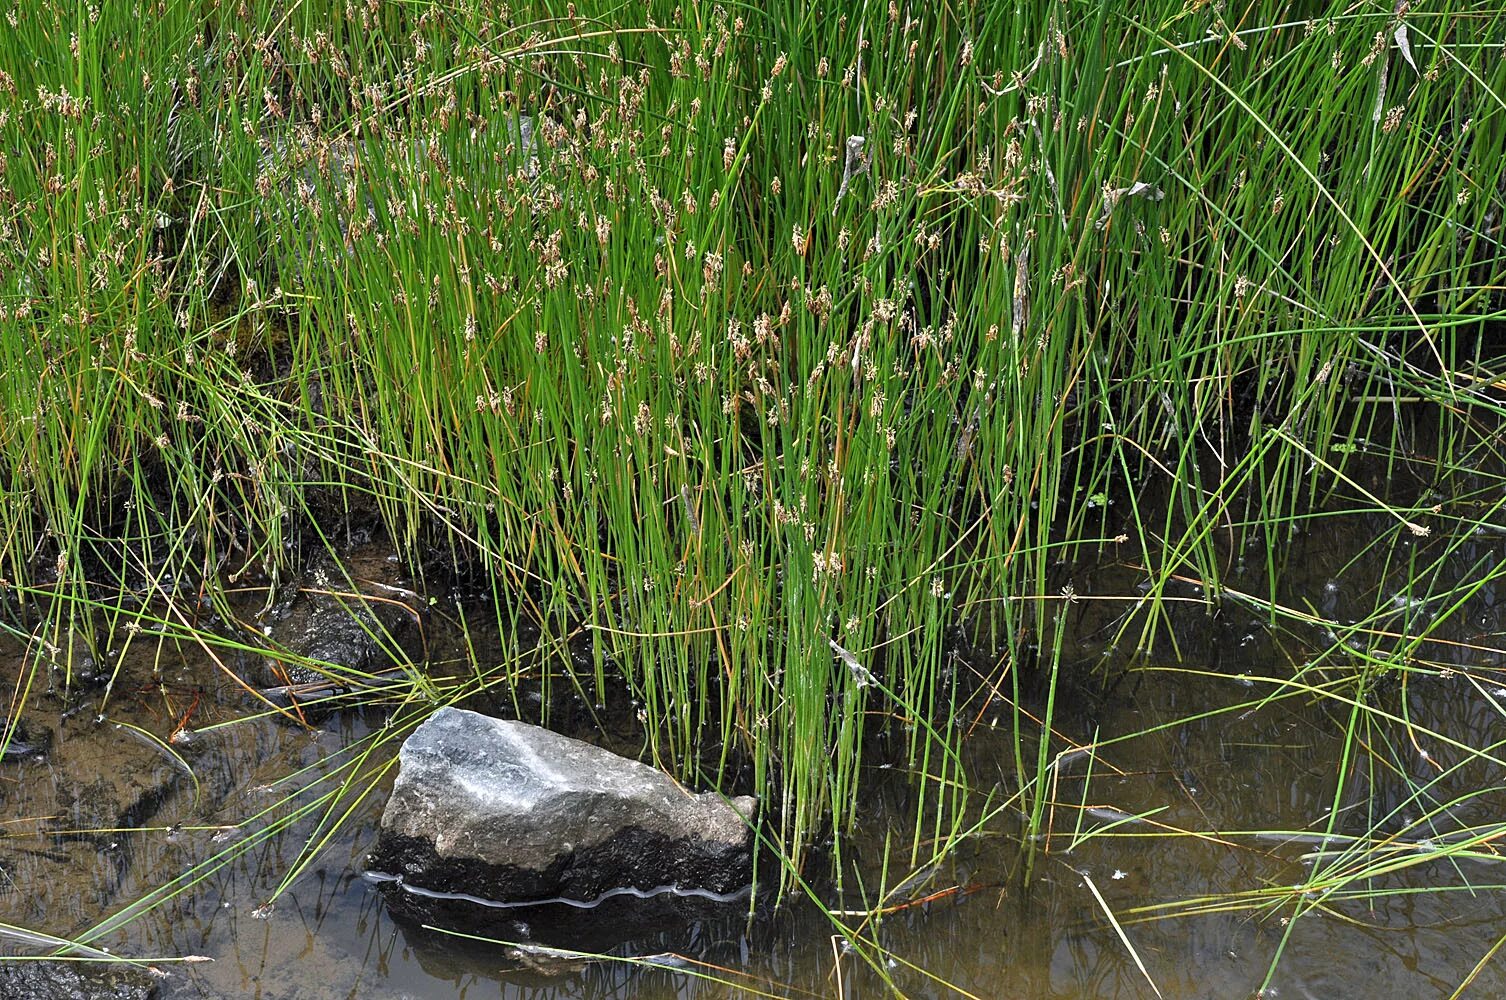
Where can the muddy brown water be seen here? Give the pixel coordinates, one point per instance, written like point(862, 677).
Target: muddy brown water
point(100, 810)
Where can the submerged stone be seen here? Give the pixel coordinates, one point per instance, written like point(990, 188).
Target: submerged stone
point(327, 632)
point(24, 742)
point(40, 980)
point(508, 812)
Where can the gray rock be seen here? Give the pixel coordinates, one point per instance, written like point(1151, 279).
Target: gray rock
point(510, 812)
point(37, 980)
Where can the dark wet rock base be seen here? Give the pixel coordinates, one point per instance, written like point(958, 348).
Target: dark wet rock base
point(634, 859)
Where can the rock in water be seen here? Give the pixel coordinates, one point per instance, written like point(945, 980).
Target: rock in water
point(513, 813)
point(36, 980)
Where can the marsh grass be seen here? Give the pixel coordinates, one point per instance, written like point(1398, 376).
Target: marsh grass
point(768, 348)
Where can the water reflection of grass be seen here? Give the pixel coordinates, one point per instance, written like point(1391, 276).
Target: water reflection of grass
point(768, 414)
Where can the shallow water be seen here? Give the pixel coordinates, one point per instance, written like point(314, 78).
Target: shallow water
point(1236, 793)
